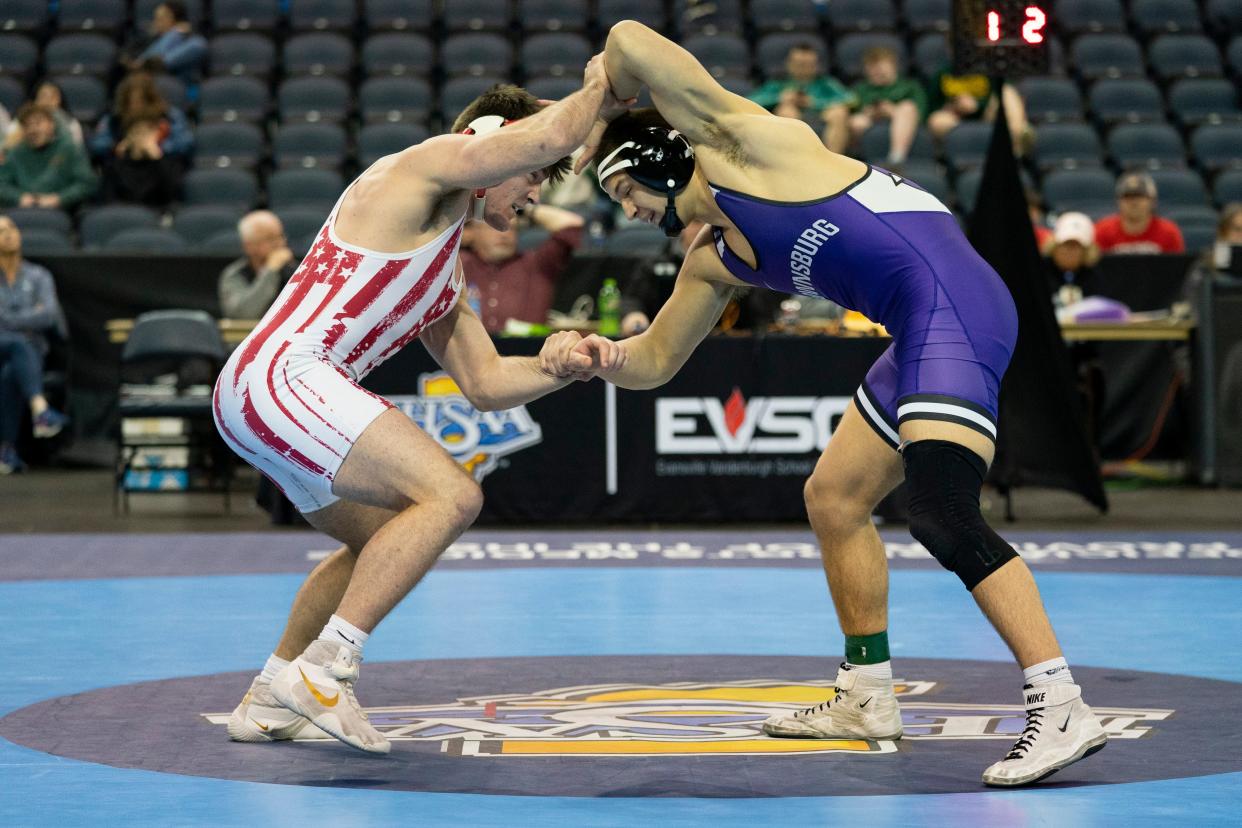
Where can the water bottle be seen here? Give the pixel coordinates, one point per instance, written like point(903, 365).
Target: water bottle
point(609, 305)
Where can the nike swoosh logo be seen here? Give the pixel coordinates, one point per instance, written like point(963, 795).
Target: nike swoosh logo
point(347, 638)
point(261, 726)
point(319, 697)
point(864, 704)
point(1062, 727)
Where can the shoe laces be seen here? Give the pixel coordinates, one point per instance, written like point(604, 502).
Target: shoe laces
point(346, 676)
point(823, 706)
point(1034, 721)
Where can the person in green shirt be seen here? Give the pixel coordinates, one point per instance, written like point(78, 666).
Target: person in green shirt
point(805, 93)
point(886, 96)
point(46, 169)
point(956, 98)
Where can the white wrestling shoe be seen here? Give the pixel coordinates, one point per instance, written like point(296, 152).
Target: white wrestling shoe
point(319, 684)
point(260, 718)
point(863, 708)
point(1059, 731)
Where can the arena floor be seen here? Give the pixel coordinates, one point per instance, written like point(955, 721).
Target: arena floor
point(608, 677)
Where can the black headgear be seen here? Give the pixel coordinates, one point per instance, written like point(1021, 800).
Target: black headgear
point(659, 159)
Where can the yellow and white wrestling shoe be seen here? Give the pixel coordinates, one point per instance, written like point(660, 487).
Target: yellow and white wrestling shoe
point(863, 708)
point(260, 718)
point(319, 684)
point(1059, 731)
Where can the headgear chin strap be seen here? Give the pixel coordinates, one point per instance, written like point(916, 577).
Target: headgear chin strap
point(481, 126)
point(659, 159)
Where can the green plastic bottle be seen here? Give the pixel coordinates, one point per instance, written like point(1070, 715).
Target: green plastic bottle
point(609, 305)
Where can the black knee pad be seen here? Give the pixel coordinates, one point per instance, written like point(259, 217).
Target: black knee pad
point(943, 481)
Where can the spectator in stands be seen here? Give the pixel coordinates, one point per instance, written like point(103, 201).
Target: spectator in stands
point(46, 169)
point(139, 99)
point(249, 285)
point(174, 47)
point(1071, 256)
point(29, 312)
point(886, 96)
point(139, 171)
point(1228, 238)
point(1135, 227)
point(514, 284)
point(805, 93)
point(48, 94)
point(956, 98)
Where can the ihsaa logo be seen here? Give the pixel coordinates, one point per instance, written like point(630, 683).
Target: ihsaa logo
point(476, 439)
point(760, 425)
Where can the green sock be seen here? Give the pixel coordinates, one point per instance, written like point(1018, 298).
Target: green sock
point(866, 649)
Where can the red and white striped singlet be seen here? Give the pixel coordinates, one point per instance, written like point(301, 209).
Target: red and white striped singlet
point(288, 400)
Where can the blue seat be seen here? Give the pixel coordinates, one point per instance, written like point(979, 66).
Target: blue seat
point(852, 47)
point(722, 55)
point(229, 99)
point(929, 15)
point(783, 16)
point(772, 49)
point(966, 145)
point(377, 140)
point(394, 100)
point(319, 53)
point(228, 145)
point(303, 188)
point(966, 187)
point(1196, 101)
point(314, 100)
point(242, 54)
point(1077, 17)
point(1180, 188)
point(1129, 100)
point(477, 54)
point(398, 53)
point(458, 93)
point(1066, 190)
point(695, 17)
point(197, 222)
point(173, 91)
point(222, 243)
point(553, 89)
point(1233, 54)
point(18, 56)
point(80, 54)
point(309, 146)
point(929, 176)
point(650, 12)
point(398, 15)
point(1153, 17)
point(302, 224)
point(1146, 145)
point(874, 144)
point(862, 16)
point(12, 94)
point(1067, 145)
point(39, 218)
point(1051, 100)
point(1228, 187)
point(1224, 17)
point(1216, 146)
point(1099, 56)
point(24, 16)
point(45, 242)
point(244, 15)
point(322, 15)
point(477, 16)
point(638, 239)
point(100, 224)
point(562, 53)
point(931, 54)
point(105, 16)
point(553, 15)
point(1184, 55)
point(233, 188)
point(85, 97)
point(1197, 223)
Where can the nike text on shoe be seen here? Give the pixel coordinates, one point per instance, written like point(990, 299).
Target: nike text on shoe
point(863, 708)
point(1059, 731)
point(319, 684)
point(260, 718)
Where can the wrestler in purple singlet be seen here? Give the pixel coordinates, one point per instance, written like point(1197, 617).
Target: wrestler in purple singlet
point(890, 250)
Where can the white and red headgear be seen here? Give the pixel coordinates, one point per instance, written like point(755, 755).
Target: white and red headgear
point(482, 125)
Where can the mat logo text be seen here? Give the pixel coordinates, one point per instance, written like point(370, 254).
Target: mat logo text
point(760, 425)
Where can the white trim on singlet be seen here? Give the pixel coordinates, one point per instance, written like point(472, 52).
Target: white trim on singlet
point(883, 192)
point(912, 408)
point(365, 251)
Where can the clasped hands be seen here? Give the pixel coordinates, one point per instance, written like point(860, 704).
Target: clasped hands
point(569, 355)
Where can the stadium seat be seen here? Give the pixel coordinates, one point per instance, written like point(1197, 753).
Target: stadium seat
point(457, 94)
point(173, 91)
point(931, 54)
point(966, 187)
point(231, 99)
point(783, 16)
point(104, 16)
point(18, 56)
point(1197, 223)
point(929, 176)
point(39, 218)
point(228, 145)
point(80, 54)
point(1153, 17)
point(874, 144)
point(929, 15)
point(1077, 17)
point(1181, 188)
point(12, 94)
point(477, 54)
point(242, 54)
point(1184, 55)
point(695, 17)
point(862, 16)
point(553, 89)
point(477, 16)
point(85, 97)
point(1224, 16)
point(1065, 190)
point(198, 222)
point(650, 12)
point(738, 86)
point(638, 239)
point(313, 100)
point(1234, 55)
point(722, 55)
point(553, 15)
point(852, 47)
point(1216, 146)
point(100, 224)
point(398, 15)
point(1099, 56)
point(224, 243)
point(1196, 101)
point(1067, 145)
point(1146, 145)
point(398, 53)
point(45, 242)
point(1228, 187)
point(966, 145)
point(1051, 100)
point(146, 240)
point(322, 15)
point(394, 100)
point(319, 53)
point(304, 188)
point(555, 54)
point(226, 188)
point(309, 145)
point(302, 223)
point(244, 15)
point(772, 49)
point(377, 140)
point(1129, 100)
point(24, 16)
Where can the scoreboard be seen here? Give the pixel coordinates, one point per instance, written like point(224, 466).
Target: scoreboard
point(1001, 38)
